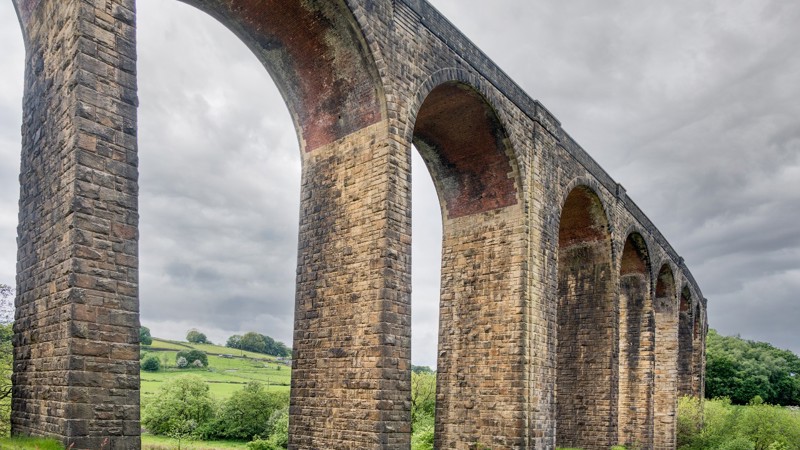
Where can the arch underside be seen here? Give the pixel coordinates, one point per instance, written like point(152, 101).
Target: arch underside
point(686, 344)
point(318, 58)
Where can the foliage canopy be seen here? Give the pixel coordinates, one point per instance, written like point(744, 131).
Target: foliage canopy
point(741, 370)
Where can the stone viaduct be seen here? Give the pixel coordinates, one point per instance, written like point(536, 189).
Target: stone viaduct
point(566, 317)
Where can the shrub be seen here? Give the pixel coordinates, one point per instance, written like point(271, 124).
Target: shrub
point(422, 434)
point(247, 413)
point(191, 356)
point(151, 364)
point(278, 425)
point(738, 443)
point(262, 444)
point(181, 403)
point(181, 362)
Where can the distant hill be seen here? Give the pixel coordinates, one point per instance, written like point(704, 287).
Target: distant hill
point(228, 369)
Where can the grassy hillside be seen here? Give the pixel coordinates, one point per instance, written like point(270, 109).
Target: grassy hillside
point(228, 369)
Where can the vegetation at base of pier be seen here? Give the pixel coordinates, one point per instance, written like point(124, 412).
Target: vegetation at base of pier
point(184, 409)
point(719, 424)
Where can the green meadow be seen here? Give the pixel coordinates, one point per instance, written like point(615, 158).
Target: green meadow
point(228, 369)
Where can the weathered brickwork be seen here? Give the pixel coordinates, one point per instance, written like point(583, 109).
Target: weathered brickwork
point(555, 328)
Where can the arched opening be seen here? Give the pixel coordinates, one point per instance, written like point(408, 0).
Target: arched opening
point(698, 351)
point(685, 343)
point(318, 58)
point(468, 154)
point(587, 363)
point(426, 252)
point(636, 337)
point(666, 352)
point(219, 198)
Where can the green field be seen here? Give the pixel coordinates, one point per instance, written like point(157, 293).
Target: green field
point(224, 374)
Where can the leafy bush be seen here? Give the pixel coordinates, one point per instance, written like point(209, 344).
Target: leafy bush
point(191, 356)
point(422, 435)
point(262, 444)
point(738, 443)
point(278, 425)
point(151, 364)
point(247, 413)
point(181, 362)
point(757, 426)
point(181, 403)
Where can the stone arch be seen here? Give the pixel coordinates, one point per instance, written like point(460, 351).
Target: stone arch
point(685, 341)
point(636, 337)
point(468, 154)
point(587, 352)
point(317, 54)
point(665, 305)
point(318, 57)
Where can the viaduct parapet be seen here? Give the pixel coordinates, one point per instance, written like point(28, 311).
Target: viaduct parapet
point(566, 318)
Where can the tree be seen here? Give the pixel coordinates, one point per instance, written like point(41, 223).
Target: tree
point(182, 403)
point(144, 336)
point(259, 343)
point(191, 356)
point(253, 342)
point(196, 337)
point(423, 395)
point(6, 356)
point(6, 303)
point(234, 341)
point(741, 370)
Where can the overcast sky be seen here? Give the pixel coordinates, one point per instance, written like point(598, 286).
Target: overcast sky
point(694, 106)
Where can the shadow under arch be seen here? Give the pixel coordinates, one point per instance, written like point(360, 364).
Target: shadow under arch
point(665, 305)
point(318, 57)
point(586, 362)
point(468, 154)
point(698, 350)
point(636, 337)
point(685, 342)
